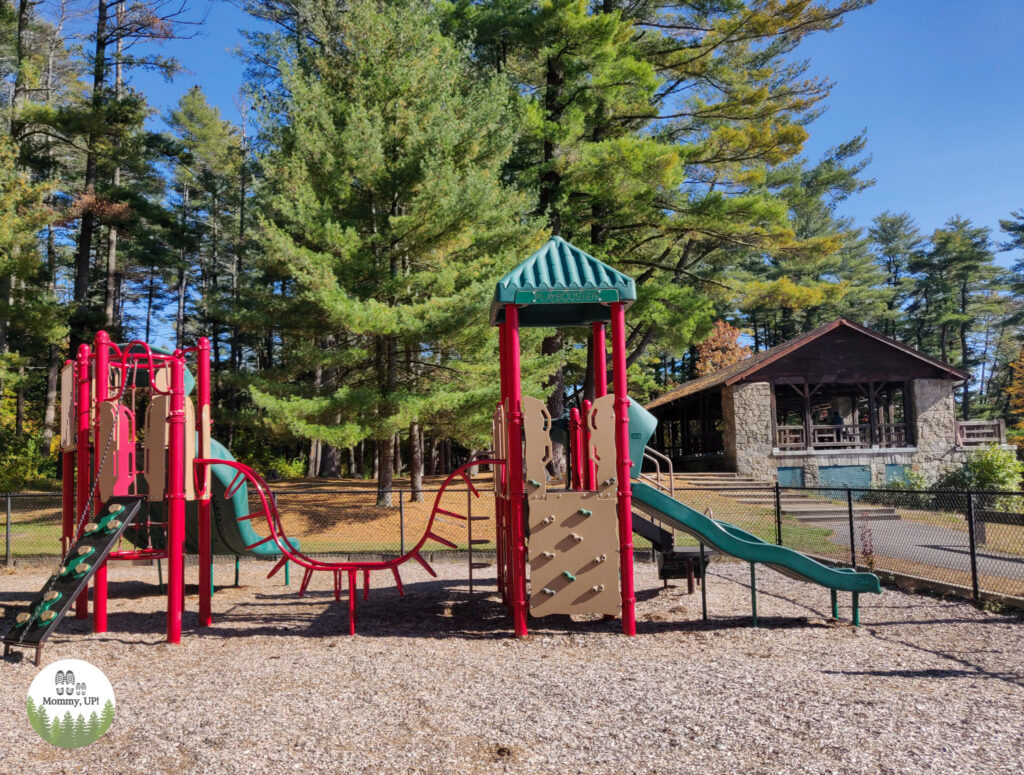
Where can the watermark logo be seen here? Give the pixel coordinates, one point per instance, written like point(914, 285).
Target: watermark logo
point(70, 703)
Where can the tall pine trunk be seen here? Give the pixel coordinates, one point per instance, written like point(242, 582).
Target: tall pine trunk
point(87, 227)
point(415, 462)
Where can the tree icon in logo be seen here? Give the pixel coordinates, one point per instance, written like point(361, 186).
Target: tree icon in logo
point(67, 712)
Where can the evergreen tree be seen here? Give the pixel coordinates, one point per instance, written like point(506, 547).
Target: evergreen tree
point(955, 283)
point(106, 717)
point(895, 241)
point(385, 223)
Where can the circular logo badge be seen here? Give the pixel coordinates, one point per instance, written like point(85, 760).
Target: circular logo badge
point(70, 703)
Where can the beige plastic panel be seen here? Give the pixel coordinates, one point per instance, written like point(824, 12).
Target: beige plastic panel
point(119, 464)
point(602, 443)
point(537, 447)
point(155, 447)
point(68, 425)
point(564, 540)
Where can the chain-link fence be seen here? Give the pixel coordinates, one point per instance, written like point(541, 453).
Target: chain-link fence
point(970, 541)
point(973, 542)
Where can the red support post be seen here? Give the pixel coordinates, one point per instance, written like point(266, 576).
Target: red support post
point(175, 499)
point(576, 445)
point(501, 474)
point(625, 492)
point(203, 486)
point(589, 469)
point(83, 476)
point(101, 448)
point(600, 351)
point(515, 474)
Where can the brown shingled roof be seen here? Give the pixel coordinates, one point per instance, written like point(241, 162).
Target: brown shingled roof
point(742, 369)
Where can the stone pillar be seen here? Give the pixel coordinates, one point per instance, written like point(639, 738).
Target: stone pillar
point(747, 429)
point(934, 425)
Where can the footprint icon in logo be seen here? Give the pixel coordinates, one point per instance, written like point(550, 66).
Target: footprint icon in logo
point(58, 681)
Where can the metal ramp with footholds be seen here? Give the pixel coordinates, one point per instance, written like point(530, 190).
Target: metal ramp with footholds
point(71, 578)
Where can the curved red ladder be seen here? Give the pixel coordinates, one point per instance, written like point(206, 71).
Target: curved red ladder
point(289, 553)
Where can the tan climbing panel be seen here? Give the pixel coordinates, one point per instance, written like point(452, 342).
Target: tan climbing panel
point(68, 405)
point(537, 447)
point(574, 557)
point(602, 444)
point(155, 447)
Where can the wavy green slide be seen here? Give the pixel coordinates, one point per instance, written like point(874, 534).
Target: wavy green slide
point(731, 540)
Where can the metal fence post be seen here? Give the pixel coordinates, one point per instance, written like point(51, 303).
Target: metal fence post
point(974, 547)
point(7, 534)
point(401, 522)
point(853, 545)
point(778, 514)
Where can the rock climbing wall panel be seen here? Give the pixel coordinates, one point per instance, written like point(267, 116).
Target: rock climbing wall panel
point(574, 561)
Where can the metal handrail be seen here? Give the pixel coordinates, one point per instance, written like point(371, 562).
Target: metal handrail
point(657, 458)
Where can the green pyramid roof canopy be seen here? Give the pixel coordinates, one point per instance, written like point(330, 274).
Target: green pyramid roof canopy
point(560, 285)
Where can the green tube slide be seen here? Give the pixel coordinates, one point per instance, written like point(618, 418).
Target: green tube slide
point(731, 540)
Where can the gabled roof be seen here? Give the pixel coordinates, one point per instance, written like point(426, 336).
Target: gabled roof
point(741, 370)
point(561, 285)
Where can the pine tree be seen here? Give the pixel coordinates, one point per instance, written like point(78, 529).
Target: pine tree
point(384, 227)
point(953, 286)
point(895, 241)
point(106, 717)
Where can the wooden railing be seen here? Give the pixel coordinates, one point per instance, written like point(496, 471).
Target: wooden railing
point(978, 433)
point(842, 436)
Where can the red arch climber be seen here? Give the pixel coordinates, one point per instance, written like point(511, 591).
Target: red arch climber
point(289, 553)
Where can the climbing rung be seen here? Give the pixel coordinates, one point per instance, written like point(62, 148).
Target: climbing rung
point(450, 514)
point(235, 485)
point(444, 541)
point(280, 564)
point(258, 543)
point(398, 580)
point(262, 513)
point(305, 581)
point(425, 564)
point(469, 484)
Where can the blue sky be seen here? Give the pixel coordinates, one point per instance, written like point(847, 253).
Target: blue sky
point(937, 84)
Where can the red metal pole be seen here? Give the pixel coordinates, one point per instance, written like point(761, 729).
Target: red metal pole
point(576, 444)
point(205, 550)
point(600, 361)
point(515, 474)
point(501, 474)
point(83, 475)
point(589, 470)
point(176, 499)
point(102, 378)
point(625, 491)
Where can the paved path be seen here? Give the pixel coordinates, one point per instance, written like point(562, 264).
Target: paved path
point(941, 547)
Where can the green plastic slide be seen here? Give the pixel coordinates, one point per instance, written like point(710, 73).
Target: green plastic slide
point(731, 540)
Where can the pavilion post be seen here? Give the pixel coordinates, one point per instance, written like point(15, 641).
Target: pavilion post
point(625, 492)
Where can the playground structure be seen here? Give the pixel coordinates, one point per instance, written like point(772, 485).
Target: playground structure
point(561, 547)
